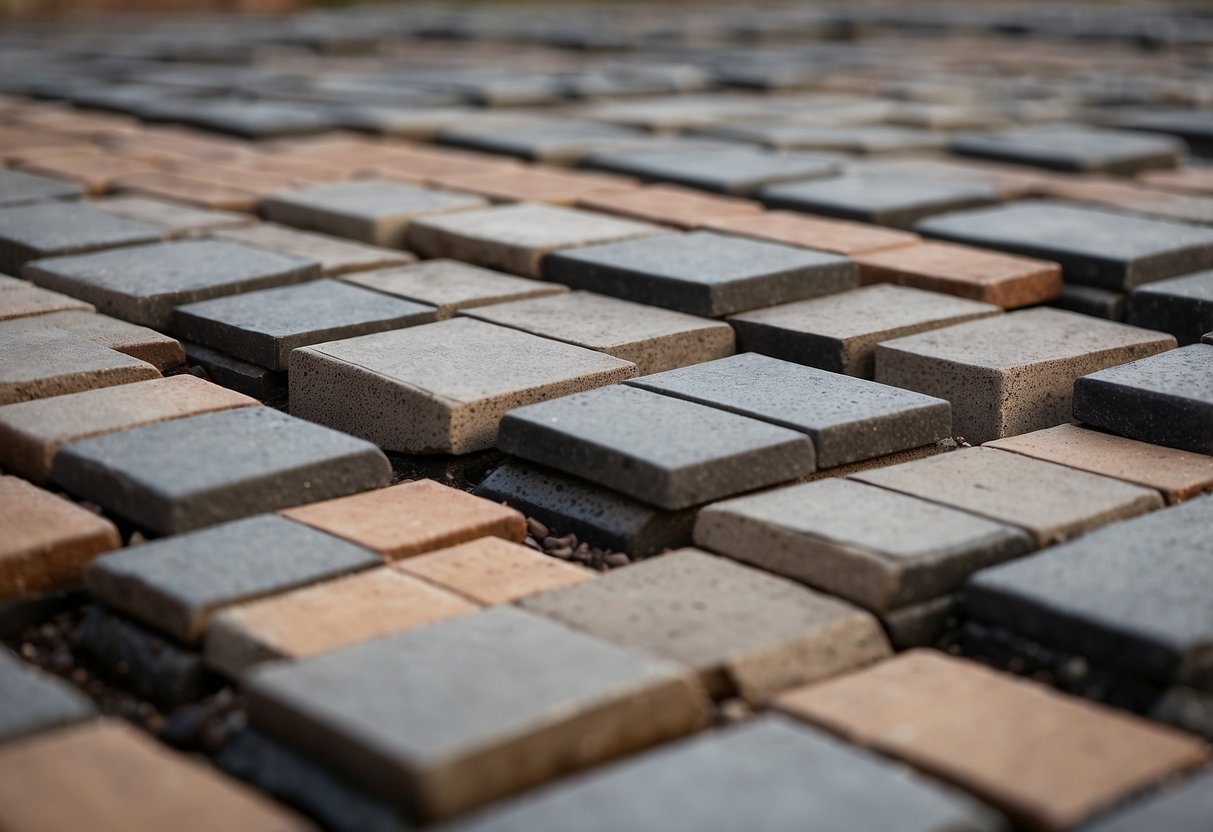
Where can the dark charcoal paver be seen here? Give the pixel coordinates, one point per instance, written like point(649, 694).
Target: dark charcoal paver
point(1075, 147)
point(32, 701)
point(189, 473)
point(1182, 306)
point(740, 171)
point(671, 453)
point(46, 229)
point(1093, 301)
point(1184, 806)
point(241, 376)
point(19, 188)
point(892, 201)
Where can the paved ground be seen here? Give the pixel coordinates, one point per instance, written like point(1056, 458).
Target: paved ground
point(562, 419)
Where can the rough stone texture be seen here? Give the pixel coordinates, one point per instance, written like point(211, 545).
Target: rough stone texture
point(326, 617)
point(26, 300)
point(595, 514)
point(142, 284)
point(877, 548)
point(177, 584)
point(188, 473)
point(1093, 301)
point(898, 202)
point(1075, 147)
point(1185, 806)
point(69, 779)
point(1014, 373)
point(848, 419)
point(173, 218)
point(1132, 596)
point(472, 709)
point(1048, 760)
point(1050, 501)
point(1182, 306)
point(730, 170)
point(1179, 475)
point(517, 238)
point(373, 211)
point(41, 361)
point(653, 339)
point(32, 701)
point(658, 449)
point(668, 204)
point(494, 571)
point(47, 229)
point(412, 518)
point(1005, 280)
point(745, 632)
point(19, 188)
point(449, 285)
point(335, 255)
point(439, 388)
point(840, 332)
point(263, 327)
point(1095, 248)
point(703, 273)
point(1166, 399)
point(161, 351)
point(794, 229)
point(769, 775)
point(31, 432)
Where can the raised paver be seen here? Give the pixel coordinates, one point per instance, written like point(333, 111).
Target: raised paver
point(472, 709)
point(174, 218)
point(38, 361)
point(1177, 474)
point(877, 548)
point(449, 285)
point(1182, 306)
point(177, 584)
point(32, 701)
point(1048, 760)
point(898, 202)
point(848, 419)
point(745, 632)
point(651, 338)
point(142, 284)
point(494, 571)
point(1185, 806)
point(412, 518)
point(731, 170)
point(669, 205)
point(1007, 280)
point(769, 775)
point(328, 616)
point(372, 211)
point(1014, 373)
point(24, 300)
point(1075, 147)
point(795, 229)
point(661, 450)
point(334, 254)
point(161, 351)
point(517, 238)
point(48, 229)
point(1166, 399)
point(70, 779)
point(1096, 248)
point(441, 387)
point(185, 474)
point(840, 332)
point(703, 273)
point(19, 188)
point(1050, 501)
point(31, 432)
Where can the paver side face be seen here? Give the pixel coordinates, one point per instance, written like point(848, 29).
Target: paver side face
point(494, 571)
point(161, 351)
point(38, 362)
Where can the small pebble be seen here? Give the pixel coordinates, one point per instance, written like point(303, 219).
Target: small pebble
point(616, 560)
point(536, 529)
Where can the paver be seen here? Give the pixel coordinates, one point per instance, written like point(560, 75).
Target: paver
point(863, 139)
point(449, 285)
point(898, 202)
point(31, 432)
point(1048, 760)
point(1093, 301)
point(1184, 806)
point(161, 351)
point(664, 451)
point(335, 255)
point(876, 548)
point(70, 778)
point(38, 361)
point(1050, 501)
point(1166, 399)
point(651, 338)
point(767, 775)
point(668, 204)
point(745, 632)
point(190, 190)
point(412, 518)
point(142, 284)
point(837, 236)
point(1198, 181)
point(20, 188)
point(517, 238)
point(176, 585)
point(848, 419)
point(1094, 247)
point(325, 617)
point(47, 539)
point(34, 701)
point(174, 218)
point(1182, 306)
point(184, 474)
point(471, 709)
point(702, 273)
point(242, 376)
point(26, 300)
point(373, 211)
point(493, 571)
point(1013, 373)
point(536, 184)
point(731, 170)
point(840, 332)
point(558, 141)
point(1075, 147)
point(95, 173)
point(441, 387)
point(47, 229)
point(1006, 280)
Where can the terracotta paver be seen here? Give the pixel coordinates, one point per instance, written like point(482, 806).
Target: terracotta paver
point(536, 184)
point(669, 205)
point(335, 255)
point(96, 173)
point(836, 236)
point(177, 187)
point(494, 571)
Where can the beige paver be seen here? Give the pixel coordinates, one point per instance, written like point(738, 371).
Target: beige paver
point(494, 571)
point(41, 361)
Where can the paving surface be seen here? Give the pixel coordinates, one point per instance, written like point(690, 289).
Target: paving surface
point(367, 373)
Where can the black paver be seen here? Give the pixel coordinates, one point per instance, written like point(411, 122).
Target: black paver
point(32, 701)
point(1182, 306)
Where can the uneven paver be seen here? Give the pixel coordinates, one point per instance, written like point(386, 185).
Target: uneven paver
point(1075, 147)
point(174, 218)
point(898, 202)
point(32, 701)
point(40, 361)
point(795, 229)
point(1182, 306)
point(493, 571)
point(335, 255)
point(20, 188)
point(669, 205)
point(161, 351)
point(48, 229)
point(26, 300)
point(1184, 806)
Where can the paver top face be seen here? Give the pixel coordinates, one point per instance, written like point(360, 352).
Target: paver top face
point(1183, 374)
point(869, 193)
point(17, 188)
point(371, 198)
point(464, 360)
point(175, 218)
point(450, 284)
point(65, 227)
point(32, 701)
point(539, 226)
point(733, 170)
point(1074, 147)
point(33, 358)
point(1196, 287)
point(547, 139)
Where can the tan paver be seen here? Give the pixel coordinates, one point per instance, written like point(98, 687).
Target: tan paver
point(178, 188)
point(335, 255)
point(27, 300)
point(177, 219)
point(37, 362)
point(669, 205)
point(494, 571)
point(794, 229)
point(449, 285)
point(95, 172)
